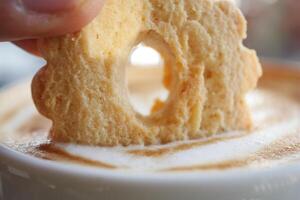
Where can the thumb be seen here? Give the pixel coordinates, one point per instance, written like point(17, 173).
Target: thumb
point(27, 19)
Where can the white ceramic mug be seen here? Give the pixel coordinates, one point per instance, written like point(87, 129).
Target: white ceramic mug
point(25, 177)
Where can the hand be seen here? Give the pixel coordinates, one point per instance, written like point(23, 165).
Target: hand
point(23, 21)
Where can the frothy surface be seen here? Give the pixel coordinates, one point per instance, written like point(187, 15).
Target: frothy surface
point(275, 139)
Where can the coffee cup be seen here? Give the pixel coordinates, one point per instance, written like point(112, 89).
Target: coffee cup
point(263, 163)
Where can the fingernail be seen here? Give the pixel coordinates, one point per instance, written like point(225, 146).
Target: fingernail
point(50, 6)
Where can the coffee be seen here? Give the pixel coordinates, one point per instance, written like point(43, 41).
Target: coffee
point(275, 139)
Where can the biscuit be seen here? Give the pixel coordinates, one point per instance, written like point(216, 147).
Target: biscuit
point(207, 71)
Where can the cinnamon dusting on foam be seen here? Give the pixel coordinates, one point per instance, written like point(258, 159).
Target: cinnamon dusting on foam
point(157, 152)
point(60, 154)
point(45, 149)
point(280, 149)
point(283, 147)
point(214, 166)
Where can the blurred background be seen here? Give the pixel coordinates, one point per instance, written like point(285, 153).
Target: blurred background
point(273, 30)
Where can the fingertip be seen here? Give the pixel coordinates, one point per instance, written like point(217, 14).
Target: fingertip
point(20, 24)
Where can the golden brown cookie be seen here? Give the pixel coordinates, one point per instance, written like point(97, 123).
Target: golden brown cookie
point(208, 72)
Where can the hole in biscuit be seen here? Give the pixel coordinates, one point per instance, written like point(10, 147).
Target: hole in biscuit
point(145, 78)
